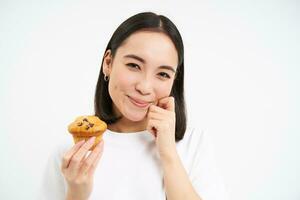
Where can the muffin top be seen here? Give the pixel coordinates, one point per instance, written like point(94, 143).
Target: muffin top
point(87, 125)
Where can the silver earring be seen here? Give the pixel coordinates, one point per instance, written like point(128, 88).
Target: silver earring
point(106, 78)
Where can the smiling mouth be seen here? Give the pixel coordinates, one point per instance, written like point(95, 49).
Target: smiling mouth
point(139, 103)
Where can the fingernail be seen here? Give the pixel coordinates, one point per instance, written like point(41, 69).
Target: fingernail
point(80, 142)
point(100, 144)
point(92, 139)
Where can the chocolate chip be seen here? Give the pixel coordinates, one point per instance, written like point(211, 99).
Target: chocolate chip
point(87, 127)
point(91, 125)
point(79, 124)
point(85, 120)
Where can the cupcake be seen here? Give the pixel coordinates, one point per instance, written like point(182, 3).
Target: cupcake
point(85, 127)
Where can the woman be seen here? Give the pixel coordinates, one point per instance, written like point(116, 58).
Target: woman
point(149, 151)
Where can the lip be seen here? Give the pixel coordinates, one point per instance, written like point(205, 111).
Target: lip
point(138, 102)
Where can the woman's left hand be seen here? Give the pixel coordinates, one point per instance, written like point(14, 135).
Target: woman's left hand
point(161, 124)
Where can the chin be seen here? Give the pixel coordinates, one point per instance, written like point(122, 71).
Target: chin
point(135, 116)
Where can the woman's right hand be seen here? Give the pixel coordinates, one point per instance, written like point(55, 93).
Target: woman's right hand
point(78, 169)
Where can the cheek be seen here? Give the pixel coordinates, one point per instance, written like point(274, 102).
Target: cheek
point(124, 82)
point(120, 84)
point(163, 90)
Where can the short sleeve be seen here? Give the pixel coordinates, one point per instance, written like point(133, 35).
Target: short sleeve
point(52, 185)
point(204, 175)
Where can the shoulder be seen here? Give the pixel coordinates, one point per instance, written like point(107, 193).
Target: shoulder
point(193, 137)
point(196, 145)
point(58, 151)
point(53, 185)
point(196, 150)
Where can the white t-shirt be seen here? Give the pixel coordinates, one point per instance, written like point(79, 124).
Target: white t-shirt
point(130, 168)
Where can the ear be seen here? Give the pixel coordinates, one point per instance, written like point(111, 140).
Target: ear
point(107, 63)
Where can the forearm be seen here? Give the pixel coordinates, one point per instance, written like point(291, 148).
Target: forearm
point(177, 183)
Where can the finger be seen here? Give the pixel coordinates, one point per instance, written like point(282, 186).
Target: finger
point(68, 156)
point(167, 103)
point(87, 163)
point(95, 163)
point(157, 109)
point(155, 115)
point(152, 126)
point(80, 154)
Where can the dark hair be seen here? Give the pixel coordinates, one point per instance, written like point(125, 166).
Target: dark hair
point(157, 23)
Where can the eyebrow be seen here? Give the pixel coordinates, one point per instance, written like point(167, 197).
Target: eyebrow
point(143, 61)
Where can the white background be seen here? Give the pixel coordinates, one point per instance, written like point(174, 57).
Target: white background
point(242, 84)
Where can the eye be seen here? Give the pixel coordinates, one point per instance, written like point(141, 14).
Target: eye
point(132, 65)
point(164, 75)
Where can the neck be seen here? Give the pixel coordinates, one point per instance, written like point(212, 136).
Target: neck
point(126, 126)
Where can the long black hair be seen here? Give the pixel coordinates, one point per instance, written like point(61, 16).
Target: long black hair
point(156, 23)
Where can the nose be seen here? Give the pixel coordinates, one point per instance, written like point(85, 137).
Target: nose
point(144, 87)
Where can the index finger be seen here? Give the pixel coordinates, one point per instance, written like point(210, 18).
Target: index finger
point(80, 154)
point(67, 157)
point(167, 103)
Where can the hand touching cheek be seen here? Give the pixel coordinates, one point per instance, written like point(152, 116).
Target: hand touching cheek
point(161, 123)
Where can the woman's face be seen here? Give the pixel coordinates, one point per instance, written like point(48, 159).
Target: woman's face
point(141, 73)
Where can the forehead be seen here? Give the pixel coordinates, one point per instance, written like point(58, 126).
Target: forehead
point(154, 47)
